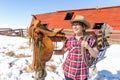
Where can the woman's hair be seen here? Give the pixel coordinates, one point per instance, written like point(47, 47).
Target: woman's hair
point(84, 27)
point(82, 24)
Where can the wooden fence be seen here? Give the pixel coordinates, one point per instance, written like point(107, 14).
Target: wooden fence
point(112, 36)
point(14, 32)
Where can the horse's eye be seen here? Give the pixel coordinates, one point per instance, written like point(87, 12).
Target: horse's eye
point(38, 33)
point(34, 29)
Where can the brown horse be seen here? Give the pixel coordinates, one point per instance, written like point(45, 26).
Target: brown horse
point(42, 40)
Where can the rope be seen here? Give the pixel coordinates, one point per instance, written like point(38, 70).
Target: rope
point(101, 43)
point(38, 63)
point(40, 73)
point(83, 52)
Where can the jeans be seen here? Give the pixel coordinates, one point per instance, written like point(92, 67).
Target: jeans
point(67, 78)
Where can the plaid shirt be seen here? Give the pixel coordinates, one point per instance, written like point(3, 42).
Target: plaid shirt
point(75, 66)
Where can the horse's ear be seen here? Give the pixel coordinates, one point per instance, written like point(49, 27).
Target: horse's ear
point(34, 17)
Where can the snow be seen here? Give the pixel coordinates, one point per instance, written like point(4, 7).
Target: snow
point(16, 56)
point(109, 66)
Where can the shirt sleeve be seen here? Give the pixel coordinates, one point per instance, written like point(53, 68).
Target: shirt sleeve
point(92, 42)
point(68, 44)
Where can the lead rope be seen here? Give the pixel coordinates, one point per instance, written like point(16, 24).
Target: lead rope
point(36, 71)
point(92, 62)
point(40, 75)
point(83, 52)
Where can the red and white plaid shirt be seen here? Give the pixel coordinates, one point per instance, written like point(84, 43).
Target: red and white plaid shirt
point(75, 66)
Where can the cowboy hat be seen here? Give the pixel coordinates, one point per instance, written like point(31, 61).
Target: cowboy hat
point(79, 18)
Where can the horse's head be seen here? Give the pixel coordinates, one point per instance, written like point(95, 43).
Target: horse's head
point(34, 34)
point(37, 35)
point(37, 23)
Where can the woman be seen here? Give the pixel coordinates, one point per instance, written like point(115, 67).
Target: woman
point(74, 66)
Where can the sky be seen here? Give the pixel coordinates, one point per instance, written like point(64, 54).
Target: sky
point(17, 13)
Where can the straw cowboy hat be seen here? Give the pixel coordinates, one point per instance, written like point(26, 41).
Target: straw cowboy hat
point(80, 18)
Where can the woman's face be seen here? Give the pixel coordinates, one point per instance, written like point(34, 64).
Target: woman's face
point(77, 28)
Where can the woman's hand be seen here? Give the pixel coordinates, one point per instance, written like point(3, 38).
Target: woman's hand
point(85, 44)
point(93, 51)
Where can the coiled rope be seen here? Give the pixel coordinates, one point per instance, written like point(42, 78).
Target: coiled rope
point(83, 52)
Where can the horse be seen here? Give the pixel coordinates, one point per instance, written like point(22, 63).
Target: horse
point(42, 40)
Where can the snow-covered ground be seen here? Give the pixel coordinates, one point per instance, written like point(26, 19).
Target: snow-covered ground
point(108, 66)
point(16, 56)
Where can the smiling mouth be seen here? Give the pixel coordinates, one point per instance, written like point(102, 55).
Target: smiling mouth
point(75, 29)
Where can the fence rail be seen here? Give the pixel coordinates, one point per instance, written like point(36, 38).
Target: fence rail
point(113, 36)
point(14, 32)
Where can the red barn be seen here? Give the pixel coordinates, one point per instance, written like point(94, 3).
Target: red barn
point(60, 19)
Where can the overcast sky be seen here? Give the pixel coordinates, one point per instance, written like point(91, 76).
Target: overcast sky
point(18, 12)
